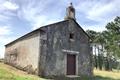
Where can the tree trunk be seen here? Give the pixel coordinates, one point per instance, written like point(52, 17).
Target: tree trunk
point(95, 58)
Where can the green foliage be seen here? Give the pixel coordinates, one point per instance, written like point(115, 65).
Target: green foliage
point(92, 34)
point(113, 37)
point(110, 42)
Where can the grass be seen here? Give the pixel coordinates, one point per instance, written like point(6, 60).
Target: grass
point(106, 75)
point(98, 75)
point(10, 73)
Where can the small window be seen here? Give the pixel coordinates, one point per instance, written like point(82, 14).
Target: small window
point(71, 36)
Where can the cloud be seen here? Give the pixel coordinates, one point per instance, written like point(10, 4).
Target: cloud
point(10, 6)
point(5, 30)
point(7, 10)
point(2, 50)
point(42, 20)
point(37, 14)
point(3, 17)
point(99, 10)
point(4, 40)
point(39, 21)
point(103, 11)
point(92, 14)
point(97, 28)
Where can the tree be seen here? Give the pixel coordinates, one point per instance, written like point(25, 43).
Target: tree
point(113, 39)
point(113, 33)
point(92, 34)
point(97, 40)
point(109, 40)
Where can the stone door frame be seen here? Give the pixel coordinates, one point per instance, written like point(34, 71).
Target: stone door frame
point(76, 66)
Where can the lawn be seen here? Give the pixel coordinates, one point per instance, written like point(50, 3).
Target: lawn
point(10, 73)
point(98, 75)
point(106, 75)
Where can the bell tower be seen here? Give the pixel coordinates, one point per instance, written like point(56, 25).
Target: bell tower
point(70, 12)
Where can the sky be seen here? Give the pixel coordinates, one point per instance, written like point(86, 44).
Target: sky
point(18, 17)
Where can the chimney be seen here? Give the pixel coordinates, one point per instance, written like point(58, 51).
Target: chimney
point(70, 12)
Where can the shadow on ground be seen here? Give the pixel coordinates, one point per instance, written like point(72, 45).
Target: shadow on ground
point(86, 78)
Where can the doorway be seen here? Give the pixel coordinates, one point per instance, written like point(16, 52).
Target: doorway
point(71, 64)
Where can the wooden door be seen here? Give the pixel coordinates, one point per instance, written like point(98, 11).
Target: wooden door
point(71, 64)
